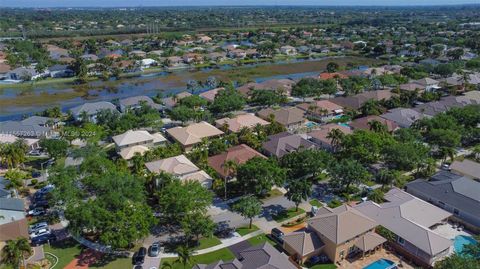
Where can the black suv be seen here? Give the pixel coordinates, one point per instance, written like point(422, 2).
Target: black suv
point(139, 256)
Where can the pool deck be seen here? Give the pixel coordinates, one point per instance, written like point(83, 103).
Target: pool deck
point(360, 263)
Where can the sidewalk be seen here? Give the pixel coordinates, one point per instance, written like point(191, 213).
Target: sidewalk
point(225, 244)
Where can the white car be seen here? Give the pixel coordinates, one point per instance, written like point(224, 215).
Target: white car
point(37, 226)
point(36, 212)
point(40, 233)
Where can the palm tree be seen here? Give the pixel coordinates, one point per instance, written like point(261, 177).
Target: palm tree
point(15, 251)
point(184, 255)
point(230, 168)
point(336, 136)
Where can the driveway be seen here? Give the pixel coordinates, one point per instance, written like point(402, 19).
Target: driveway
point(151, 262)
point(221, 212)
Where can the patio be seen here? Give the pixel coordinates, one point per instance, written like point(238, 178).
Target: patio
point(450, 230)
point(360, 263)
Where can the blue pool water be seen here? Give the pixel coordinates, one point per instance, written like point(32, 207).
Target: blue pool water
point(462, 240)
point(310, 124)
point(381, 264)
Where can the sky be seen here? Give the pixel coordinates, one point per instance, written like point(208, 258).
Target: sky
point(125, 3)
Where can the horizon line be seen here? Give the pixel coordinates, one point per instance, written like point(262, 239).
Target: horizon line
point(233, 5)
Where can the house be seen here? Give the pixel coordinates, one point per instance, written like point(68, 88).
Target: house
point(193, 134)
point(137, 53)
point(323, 110)
point(454, 193)
point(466, 168)
point(25, 74)
point(403, 117)
point(210, 94)
point(4, 70)
point(283, 143)
point(321, 136)
point(283, 85)
point(356, 101)
point(174, 61)
point(136, 102)
point(171, 101)
point(334, 75)
point(41, 121)
point(428, 84)
point(14, 230)
point(290, 117)
point(24, 130)
point(364, 123)
point(181, 167)
point(444, 104)
point(139, 141)
point(288, 50)
point(31, 143)
point(60, 71)
point(411, 87)
point(11, 209)
point(147, 63)
point(411, 220)
point(241, 121)
point(56, 52)
point(239, 154)
point(339, 233)
point(90, 110)
point(262, 256)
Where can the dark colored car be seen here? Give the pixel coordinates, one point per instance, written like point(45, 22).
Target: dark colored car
point(40, 240)
point(139, 256)
point(278, 235)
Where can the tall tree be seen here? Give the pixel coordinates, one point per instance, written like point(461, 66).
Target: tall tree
point(259, 175)
point(15, 252)
point(248, 207)
point(298, 191)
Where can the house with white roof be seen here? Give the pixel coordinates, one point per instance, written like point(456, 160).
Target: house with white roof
point(137, 141)
point(181, 167)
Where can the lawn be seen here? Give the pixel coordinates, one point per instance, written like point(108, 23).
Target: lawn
point(207, 242)
point(315, 202)
point(221, 254)
point(66, 251)
point(287, 214)
point(273, 193)
point(261, 238)
point(245, 230)
point(114, 263)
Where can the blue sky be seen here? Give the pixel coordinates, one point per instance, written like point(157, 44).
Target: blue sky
point(113, 3)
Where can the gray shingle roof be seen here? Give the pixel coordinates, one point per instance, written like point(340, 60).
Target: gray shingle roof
point(13, 204)
point(460, 192)
point(283, 143)
point(23, 130)
point(93, 108)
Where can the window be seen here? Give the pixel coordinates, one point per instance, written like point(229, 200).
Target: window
point(401, 241)
point(456, 212)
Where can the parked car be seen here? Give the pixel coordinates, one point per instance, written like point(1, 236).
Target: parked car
point(35, 152)
point(446, 166)
point(277, 234)
point(37, 226)
point(139, 256)
point(40, 240)
point(40, 203)
point(154, 250)
point(41, 232)
point(37, 212)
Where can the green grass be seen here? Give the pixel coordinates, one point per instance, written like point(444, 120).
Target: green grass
point(221, 254)
point(261, 238)
point(315, 202)
point(207, 242)
point(245, 230)
point(287, 214)
point(66, 251)
point(114, 263)
point(273, 193)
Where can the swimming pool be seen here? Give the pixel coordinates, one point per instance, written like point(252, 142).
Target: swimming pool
point(311, 124)
point(462, 240)
point(381, 264)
